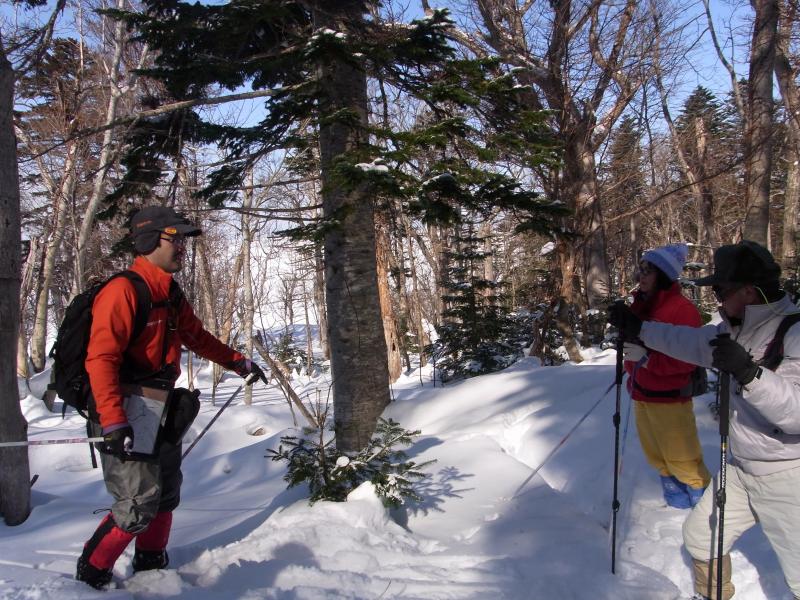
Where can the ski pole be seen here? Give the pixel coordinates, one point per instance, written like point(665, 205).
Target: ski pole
point(724, 423)
point(249, 381)
point(82, 440)
point(561, 443)
point(616, 420)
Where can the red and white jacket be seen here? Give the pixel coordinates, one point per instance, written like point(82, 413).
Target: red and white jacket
point(113, 315)
point(662, 373)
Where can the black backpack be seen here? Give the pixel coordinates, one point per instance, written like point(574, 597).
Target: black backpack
point(69, 378)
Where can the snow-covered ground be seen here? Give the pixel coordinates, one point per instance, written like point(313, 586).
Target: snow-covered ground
point(486, 527)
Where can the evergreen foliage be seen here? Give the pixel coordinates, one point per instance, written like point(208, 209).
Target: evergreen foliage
point(479, 333)
point(331, 475)
point(286, 351)
point(473, 116)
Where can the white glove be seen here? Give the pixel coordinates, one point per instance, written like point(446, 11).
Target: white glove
point(634, 352)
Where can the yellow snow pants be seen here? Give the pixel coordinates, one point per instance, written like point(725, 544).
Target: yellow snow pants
point(668, 434)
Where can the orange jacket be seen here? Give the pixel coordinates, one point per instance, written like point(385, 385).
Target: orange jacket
point(113, 315)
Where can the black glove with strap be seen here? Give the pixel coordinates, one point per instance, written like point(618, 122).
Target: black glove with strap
point(118, 442)
point(245, 367)
point(622, 317)
point(731, 357)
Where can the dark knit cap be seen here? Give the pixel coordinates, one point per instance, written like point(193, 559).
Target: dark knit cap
point(746, 262)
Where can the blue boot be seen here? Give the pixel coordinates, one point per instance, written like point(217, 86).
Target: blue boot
point(675, 492)
point(695, 494)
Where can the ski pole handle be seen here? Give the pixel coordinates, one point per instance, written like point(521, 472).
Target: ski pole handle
point(251, 379)
point(724, 397)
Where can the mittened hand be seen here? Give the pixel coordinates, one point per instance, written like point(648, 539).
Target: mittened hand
point(245, 367)
point(731, 357)
point(628, 324)
point(634, 352)
point(258, 372)
point(119, 442)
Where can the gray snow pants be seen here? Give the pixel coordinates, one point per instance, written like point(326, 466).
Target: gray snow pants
point(142, 488)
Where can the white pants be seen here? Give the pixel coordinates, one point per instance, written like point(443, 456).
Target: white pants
point(772, 500)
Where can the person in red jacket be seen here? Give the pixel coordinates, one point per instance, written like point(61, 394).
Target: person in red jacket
point(145, 488)
point(664, 413)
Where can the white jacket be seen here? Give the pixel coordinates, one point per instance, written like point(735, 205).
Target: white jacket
point(765, 414)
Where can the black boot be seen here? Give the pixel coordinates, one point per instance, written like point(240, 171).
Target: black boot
point(91, 575)
point(147, 560)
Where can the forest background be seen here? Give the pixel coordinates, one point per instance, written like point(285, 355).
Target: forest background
point(451, 182)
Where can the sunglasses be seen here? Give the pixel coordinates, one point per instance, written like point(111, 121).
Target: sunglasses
point(723, 292)
point(175, 241)
point(646, 268)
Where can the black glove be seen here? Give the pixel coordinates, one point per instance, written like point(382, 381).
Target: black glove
point(731, 357)
point(245, 367)
point(622, 317)
point(119, 442)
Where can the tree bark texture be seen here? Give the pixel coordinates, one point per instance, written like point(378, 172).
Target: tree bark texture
point(15, 490)
point(390, 327)
point(759, 123)
point(787, 81)
point(358, 348)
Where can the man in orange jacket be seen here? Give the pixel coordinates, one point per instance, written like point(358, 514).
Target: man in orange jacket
point(146, 489)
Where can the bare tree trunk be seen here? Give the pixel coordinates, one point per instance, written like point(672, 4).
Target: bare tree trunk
point(415, 303)
point(759, 123)
point(390, 328)
point(208, 301)
point(788, 256)
point(15, 490)
point(787, 81)
point(309, 335)
point(485, 233)
point(65, 190)
point(25, 289)
point(566, 258)
point(227, 318)
point(358, 348)
point(104, 161)
point(247, 276)
point(319, 301)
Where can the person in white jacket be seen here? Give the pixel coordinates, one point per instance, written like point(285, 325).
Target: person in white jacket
point(763, 478)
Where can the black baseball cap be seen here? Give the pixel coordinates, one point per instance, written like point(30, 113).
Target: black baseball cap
point(747, 262)
point(163, 219)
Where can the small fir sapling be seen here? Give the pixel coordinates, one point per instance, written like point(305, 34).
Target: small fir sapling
point(331, 475)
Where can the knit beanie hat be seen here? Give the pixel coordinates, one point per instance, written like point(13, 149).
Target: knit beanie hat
point(669, 259)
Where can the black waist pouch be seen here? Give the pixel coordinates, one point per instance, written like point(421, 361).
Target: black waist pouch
point(181, 413)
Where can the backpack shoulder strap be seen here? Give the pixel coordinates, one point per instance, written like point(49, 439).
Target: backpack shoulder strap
point(773, 356)
point(143, 302)
point(173, 305)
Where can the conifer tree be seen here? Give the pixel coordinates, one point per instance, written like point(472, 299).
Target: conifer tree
point(311, 61)
point(475, 336)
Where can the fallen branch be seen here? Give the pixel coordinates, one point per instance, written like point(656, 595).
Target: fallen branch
point(279, 371)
